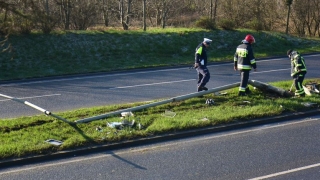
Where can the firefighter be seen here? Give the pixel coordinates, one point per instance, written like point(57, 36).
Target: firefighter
point(298, 71)
point(244, 61)
point(201, 64)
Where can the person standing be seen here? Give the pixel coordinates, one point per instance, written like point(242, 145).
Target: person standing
point(244, 61)
point(298, 71)
point(201, 64)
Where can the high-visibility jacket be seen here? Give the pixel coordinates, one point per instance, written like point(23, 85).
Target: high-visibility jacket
point(244, 58)
point(201, 55)
point(297, 63)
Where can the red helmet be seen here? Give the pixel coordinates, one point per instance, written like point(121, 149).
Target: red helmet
point(250, 39)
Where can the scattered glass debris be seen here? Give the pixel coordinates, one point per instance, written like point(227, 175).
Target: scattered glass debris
point(54, 142)
point(205, 119)
point(98, 128)
point(127, 114)
point(209, 102)
point(120, 125)
point(117, 125)
point(309, 104)
point(168, 113)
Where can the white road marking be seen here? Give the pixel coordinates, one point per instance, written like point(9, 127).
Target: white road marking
point(168, 82)
point(286, 172)
point(258, 72)
point(88, 77)
point(32, 97)
point(125, 151)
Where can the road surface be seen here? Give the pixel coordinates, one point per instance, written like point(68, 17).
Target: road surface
point(70, 93)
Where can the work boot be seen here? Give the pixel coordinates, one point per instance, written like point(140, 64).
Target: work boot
point(302, 95)
point(299, 95)
point(202, 88)
point(248, 90)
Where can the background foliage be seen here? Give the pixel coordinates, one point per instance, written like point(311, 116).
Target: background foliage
point(23, 16)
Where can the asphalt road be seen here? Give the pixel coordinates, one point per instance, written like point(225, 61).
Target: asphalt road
point(279, 151)
point(69, 93)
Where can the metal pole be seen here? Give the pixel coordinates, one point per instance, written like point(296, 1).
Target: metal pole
point(46, 112)
point(174, 99)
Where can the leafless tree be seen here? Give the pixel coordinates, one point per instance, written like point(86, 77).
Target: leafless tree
point(65, 11)
point(125, 15)
point(7, 23)
point(105, 10)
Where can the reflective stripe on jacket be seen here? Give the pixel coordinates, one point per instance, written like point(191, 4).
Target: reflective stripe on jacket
point(201, 55)
point(244, 58)
point(297, 63)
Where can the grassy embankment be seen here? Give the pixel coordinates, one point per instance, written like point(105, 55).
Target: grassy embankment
point(83, 52)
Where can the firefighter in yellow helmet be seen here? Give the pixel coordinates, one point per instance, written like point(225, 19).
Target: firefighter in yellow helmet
point(298, 71)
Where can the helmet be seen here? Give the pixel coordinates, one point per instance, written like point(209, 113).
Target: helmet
point(250, 39)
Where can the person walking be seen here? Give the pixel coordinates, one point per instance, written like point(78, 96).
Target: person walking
point(244, 61)
point(298, 71)
point(201, 64)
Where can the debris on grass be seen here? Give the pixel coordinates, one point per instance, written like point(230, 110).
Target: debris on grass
point(140, 126)
point(204, 119)
point(312, 88)
point(54, 142)
point(309, 104)
point(220, 93)
point(120, 125)
point(127, 114)
point(127, 123)
point(98, 128)
point(209, 102)
point(168, 113)
point(117, 125)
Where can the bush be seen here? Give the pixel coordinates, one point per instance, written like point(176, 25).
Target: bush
point(24, 26)
point(255, 25)
point(205, 23)
point(227, 24)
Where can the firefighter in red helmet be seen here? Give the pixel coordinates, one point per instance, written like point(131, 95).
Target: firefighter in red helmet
point(244, 61)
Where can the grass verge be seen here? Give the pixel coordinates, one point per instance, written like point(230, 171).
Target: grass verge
point(26, 135)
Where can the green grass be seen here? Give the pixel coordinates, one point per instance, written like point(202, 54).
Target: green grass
point(73, 52)
point(26, 135)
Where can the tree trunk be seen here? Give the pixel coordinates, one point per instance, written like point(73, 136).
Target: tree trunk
point(288, 3)
point(128, 14)
point(121, 9)
point(144, 15)
point(287, 26)
point(215, 11)
point(66, 8)
point(211, 9)
point(163, 14)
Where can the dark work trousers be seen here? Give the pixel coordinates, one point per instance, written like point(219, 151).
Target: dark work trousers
point(244, 80)
point(298, 80)
point(203, 76)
